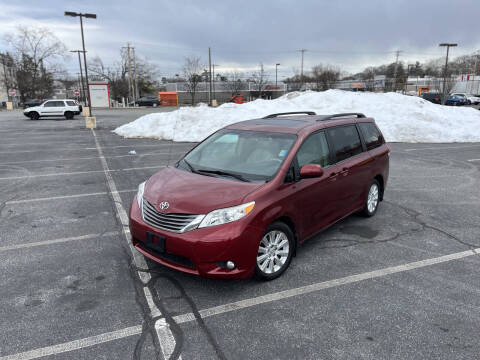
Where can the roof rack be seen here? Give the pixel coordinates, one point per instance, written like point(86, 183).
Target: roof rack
point(329, 117)
point(289, 113)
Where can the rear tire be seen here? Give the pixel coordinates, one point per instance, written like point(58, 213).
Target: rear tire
point(372, 200)
point(34, 115)
point(69, 115)
point(274, 252)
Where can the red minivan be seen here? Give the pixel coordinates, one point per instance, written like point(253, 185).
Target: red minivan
point(242, 200)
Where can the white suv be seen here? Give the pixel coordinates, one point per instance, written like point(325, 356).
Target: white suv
point(66, 107)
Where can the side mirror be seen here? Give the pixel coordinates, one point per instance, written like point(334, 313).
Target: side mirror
point(311, 171)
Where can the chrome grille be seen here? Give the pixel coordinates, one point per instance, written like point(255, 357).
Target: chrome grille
point(170, 222)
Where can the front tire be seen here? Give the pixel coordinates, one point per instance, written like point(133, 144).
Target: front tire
point(274, 252)
point(373, 198)
point(69, 115)
point(34, 115)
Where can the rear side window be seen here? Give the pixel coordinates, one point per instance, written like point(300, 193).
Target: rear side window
point(346, 141)
point(54, 104)
point(71, 103)
point(372, 136)
point(314, 150)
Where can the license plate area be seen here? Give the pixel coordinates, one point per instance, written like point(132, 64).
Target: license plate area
point(155, 242)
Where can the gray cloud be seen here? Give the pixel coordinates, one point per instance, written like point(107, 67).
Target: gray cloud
point(352, 34)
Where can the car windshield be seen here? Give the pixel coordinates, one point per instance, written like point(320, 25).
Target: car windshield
point(240, 154)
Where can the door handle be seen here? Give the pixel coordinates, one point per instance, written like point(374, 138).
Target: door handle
point(344, 171)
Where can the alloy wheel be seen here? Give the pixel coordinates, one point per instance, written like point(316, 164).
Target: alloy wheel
point(372, 200)
point(273, 252)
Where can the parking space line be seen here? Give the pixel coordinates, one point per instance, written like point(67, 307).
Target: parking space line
point(442, 147)
point(57, 241)
point(87, 148)
point(238, 305)
point(246, 303)
point(75, 344)
point(137, 156)
point(471, 160)
point(64, 197)
point(79, 172)
point(164, 334)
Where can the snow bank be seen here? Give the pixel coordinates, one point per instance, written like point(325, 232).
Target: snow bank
point(401, 118)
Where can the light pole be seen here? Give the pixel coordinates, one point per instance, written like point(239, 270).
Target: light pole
point(448, 45)
point(81, 71)
point(213, 76)
point(408, 75)
point(81, 16)
point(276, 75)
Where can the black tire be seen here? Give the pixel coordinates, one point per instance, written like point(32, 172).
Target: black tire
point(69, 115)
point(34, 115)
point(369, 211)
point(273, 229)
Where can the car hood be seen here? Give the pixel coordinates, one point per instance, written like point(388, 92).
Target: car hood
point(30, 108)
point(191, 193)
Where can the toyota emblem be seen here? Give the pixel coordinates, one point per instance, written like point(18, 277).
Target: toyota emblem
point(164, 205)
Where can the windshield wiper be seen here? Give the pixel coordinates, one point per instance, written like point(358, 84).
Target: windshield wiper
point(225, 173)
point(190, 167)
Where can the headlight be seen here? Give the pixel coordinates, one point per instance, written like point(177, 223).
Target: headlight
point(141, 189)
point(227, 215)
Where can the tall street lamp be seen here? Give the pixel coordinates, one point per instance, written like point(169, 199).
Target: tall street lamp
point(446, 69)
point(276, 74)
point(81, 16)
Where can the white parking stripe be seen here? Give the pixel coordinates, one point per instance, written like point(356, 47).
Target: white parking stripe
point(137, 156)
point(473, 160)
point(442, 147)
point(237, 305)
point(79, 172)
point(90, 148)
point(164, 334)
point(63, 197)
point(242, 304)
point(57, 241)
point(76, 344)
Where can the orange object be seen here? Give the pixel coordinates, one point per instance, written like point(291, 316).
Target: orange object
point(168, 98)
point(237, 99)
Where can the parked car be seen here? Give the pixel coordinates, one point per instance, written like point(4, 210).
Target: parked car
point(66, 107)
point(31, 103)
point(472, 99)
point(456, 101)
point(435, 98)
point(148, 101)
point(241, 201)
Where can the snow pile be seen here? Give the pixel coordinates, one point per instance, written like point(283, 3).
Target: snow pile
point(401, 118)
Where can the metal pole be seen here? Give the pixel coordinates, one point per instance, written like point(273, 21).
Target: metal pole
point(276, 76)
point(81, 75)
point(444, 90)
point(135, 91)
point(210, 75)
point(86, 70)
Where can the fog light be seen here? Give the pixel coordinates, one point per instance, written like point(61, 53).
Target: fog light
point(230, 265)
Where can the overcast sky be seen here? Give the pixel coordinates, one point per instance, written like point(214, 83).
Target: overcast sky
point(351, 34)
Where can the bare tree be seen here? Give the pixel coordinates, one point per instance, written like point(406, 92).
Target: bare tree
point(325, 76)
point(234, 82)
point(34, 50)
point(259, 79)
point(192, 70)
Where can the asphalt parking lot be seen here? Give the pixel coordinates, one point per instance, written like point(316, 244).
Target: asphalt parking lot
point(401, 285)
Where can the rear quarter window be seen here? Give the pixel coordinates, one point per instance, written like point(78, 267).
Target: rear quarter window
point(371, 135)
point(346, 141)
point(71, 103)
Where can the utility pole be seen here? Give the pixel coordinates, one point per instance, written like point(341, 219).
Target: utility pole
point(444, 90)
point(213, 74)
point(135, 84)
point(397, 54)
point(81, 16)
point(131, 87)
point(276, 75)
point(82, 88)
point(210, 75)
point(406, 80)
point(301, 67)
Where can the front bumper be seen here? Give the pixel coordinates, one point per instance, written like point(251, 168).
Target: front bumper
point(201, 251)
